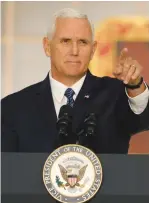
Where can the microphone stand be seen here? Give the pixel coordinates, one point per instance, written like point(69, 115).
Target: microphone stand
point(64, 126)
point(87, 134)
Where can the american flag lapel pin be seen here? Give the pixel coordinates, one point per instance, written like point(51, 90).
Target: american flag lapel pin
point(86, 96)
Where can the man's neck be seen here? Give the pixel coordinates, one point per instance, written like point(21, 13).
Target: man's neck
point(67, 81)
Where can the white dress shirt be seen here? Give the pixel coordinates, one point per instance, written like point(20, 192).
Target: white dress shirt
point(137, 104)
point(58, 90)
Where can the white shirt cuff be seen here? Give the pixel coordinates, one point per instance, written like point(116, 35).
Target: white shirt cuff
point(139, 103)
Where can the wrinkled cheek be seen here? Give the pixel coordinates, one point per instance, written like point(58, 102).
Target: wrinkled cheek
point(86, 59)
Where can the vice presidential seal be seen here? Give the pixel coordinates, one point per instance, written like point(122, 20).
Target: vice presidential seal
point(72, 173)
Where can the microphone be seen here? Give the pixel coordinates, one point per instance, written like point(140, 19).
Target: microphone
point(90, 124)
point(88, 131)
point(64, 125)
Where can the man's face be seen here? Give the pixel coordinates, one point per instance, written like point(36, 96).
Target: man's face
point(71, 47)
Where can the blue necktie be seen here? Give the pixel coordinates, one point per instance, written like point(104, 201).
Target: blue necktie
point(69, 94)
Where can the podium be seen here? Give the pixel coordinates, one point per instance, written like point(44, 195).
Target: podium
point(125, 179)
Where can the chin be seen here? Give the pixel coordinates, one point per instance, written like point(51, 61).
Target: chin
point(75, 73)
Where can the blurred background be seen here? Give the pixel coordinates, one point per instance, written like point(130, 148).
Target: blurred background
point(118, 24)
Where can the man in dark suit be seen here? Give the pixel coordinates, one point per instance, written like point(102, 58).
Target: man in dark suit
point(121, 104)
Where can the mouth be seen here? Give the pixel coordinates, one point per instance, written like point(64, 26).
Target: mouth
point(73, 62)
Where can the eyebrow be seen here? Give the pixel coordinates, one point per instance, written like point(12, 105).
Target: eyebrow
point(80, 39)
point(65, 38)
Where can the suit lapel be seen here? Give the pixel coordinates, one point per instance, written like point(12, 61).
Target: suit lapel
point(47, 109)
point(84, 99)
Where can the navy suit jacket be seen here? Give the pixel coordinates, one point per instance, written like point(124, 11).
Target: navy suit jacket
point(29, 117)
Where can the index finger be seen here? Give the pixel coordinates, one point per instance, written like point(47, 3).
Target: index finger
point(123, 54)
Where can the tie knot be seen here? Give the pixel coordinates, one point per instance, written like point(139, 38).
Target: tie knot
point(69, 94)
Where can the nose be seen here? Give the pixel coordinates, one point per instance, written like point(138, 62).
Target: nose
point(75, 49)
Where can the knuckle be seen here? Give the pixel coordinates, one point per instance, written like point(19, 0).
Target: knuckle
point(129, 58)
point(126, 65)
point(135, 61)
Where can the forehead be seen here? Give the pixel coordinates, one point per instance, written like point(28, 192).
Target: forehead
point(73, 27)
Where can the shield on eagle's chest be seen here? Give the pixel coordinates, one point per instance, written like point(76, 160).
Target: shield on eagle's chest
point(72, 180)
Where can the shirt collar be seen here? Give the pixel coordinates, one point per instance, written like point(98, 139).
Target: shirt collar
point(58, 89)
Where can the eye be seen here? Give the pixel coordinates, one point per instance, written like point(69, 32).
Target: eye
point(83, 42)
point(65, 40)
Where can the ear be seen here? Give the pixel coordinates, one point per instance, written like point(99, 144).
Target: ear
point(93, 48)
point(46, 46)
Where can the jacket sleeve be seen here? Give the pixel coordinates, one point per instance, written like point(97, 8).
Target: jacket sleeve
point(130, 122)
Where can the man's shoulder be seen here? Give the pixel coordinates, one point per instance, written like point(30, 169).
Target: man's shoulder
point(109, 82)
point(22, 95)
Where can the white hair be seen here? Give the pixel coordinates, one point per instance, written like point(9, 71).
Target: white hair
point(68, 13)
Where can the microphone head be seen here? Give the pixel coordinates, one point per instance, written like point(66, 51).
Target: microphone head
point(65, 109)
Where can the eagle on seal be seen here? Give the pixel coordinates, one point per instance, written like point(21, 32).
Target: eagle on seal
point(72, 177)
